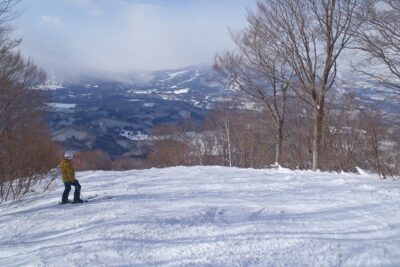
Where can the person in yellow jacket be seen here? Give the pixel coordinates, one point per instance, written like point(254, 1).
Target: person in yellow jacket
point(68, 177)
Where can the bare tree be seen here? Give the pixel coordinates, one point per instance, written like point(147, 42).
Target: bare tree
point(169, 148)
point(257, 69)
point(298, 133)
point(169, 153)
point(379, 39)
point(27, 149)
point(93, 160)
point(310, 35)
point(221, 121)
point(16, 73)
point(195, 139)
point(376, 134)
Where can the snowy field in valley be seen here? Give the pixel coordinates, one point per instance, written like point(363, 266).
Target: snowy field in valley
point(208, 216)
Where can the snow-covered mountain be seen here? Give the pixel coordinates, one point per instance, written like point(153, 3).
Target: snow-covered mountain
point(103, 114)
point(207, 216)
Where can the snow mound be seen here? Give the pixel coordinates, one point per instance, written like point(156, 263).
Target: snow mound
point(208, 216)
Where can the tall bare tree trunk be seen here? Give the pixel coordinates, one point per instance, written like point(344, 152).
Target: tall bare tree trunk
point(317, 139)
point(228, 137)
point(278, 143)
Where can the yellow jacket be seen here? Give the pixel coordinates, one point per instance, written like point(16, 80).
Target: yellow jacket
point(67, 171)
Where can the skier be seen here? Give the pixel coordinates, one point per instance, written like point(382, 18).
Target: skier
point(68, 176)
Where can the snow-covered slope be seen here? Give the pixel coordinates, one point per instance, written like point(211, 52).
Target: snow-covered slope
point(208, 216)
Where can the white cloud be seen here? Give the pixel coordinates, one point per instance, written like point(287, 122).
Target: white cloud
point(53, 20)
point(89, 6)
point(132, 35)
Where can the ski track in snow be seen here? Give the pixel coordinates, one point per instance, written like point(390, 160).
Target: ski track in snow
point(208, 216)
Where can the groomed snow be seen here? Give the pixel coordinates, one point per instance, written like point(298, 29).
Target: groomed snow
point(208, 216)
point(174, 75)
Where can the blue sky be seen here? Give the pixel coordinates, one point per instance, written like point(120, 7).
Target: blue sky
point(71, 37)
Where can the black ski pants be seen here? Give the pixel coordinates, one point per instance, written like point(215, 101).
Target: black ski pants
point(77, 193)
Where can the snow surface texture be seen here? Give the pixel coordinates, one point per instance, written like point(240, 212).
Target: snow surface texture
point(208, 216)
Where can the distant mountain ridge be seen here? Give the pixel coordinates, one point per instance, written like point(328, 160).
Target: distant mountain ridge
point(107, 115)
point(117, 115)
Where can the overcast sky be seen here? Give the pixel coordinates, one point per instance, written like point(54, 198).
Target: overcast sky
point(89, 36)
